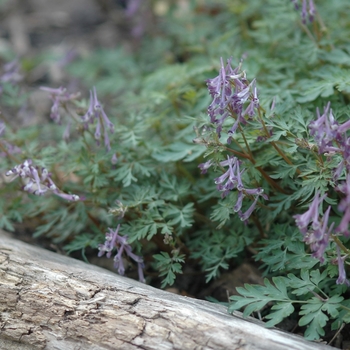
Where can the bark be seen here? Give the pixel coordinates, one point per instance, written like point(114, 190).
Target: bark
point(49, 301)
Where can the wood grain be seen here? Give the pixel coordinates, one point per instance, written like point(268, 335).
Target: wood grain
point(49, 301)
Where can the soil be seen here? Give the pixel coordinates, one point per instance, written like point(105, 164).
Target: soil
point(30, 27)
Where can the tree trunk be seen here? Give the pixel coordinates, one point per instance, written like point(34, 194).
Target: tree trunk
point(49, 301)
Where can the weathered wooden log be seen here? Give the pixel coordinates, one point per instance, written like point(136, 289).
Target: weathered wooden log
point(49, 301)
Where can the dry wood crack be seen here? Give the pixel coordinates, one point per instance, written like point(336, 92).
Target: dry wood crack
point(50, 301)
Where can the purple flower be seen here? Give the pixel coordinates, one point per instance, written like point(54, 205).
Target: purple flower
point(230, 91)
point(11, 73)
point(114, 159)
point(95, 111)
point(239, 202)
point(205, 166)
point(59, 97)
point(120, 243)
point(315, 229)
point(319, 239)
point(305, 10)
point(229, 176)
point(38, 181)
point(118, 261)
point(324, 129)
point(310, 216)
point(246, 215)
point(344, 206)
point(341, 268)
point(108, 246)
point(312, 10)
point(331, 139)
point(232, 179)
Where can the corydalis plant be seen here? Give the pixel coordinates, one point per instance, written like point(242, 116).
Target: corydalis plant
point(235, 100)
point(61, 98)
point(38, 181)
point(120, 243)
point(331, 143)
point(232, 180)
point(95, 113)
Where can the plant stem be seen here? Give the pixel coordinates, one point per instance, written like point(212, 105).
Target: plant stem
point(340, 244)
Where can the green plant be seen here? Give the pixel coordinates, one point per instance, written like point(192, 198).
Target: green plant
point(265, 168)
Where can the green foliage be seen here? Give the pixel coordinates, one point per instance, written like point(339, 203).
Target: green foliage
point(153, 91)
point(168, 266)
point(315, 309)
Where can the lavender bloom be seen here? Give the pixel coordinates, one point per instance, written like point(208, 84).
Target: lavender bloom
point(342, 274)
point(338, 170)
point(310, 216)
point(331, 138)
point(114, 240)
point(305, 10)
point(95, 111)
point(230, 91)
point(245, 216)
point(324, 129)
point(344, 206)
point(229, 175)
point(312, 10)
point(59, 98)
point(315, 230)
point(205, 166)
point(239, 202)
point(233, 179)
point(319, 239)
point(114, 159)
point(38, 181)
point(11, 73)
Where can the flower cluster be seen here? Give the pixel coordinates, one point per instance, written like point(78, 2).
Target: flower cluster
point(314, 229)
point(114, 240)
point(11, 74)
point(38, 181)
point(232, 179)
point(233, 96)
point(317, 234)
point(331, 139)
point(59, 97)
point(96, 111)
point(307, 10)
